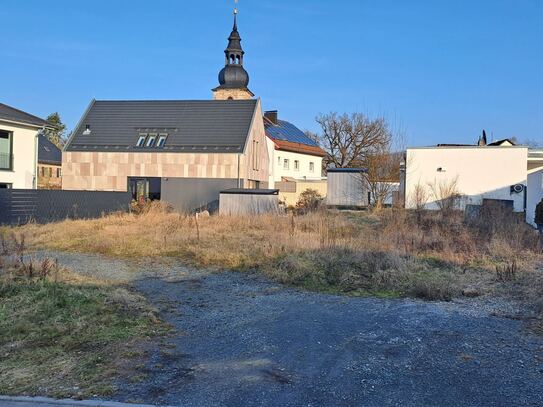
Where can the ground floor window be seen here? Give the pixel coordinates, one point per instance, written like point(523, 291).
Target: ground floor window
point(4, 185)
point(6, 147)
point(144, 189)
point(252, 184)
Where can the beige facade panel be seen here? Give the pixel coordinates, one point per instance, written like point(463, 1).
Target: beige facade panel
point(105, 171)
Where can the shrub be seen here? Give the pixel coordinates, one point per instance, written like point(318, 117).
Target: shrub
point(446, 195)
point(310, 200)
point(539, 213)
point(430, 288)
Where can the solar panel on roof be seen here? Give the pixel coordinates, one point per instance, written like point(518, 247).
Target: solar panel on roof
point(288, 132)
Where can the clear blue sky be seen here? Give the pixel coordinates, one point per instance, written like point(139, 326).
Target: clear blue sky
point(441, 69)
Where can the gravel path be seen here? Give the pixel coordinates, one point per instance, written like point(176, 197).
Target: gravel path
point(243, 341)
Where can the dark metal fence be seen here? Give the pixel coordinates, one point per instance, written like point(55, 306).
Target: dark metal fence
point(19, 206)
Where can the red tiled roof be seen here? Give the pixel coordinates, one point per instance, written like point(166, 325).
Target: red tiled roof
point(298, 148)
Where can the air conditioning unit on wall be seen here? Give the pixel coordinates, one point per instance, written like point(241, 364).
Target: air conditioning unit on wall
point(517, 189)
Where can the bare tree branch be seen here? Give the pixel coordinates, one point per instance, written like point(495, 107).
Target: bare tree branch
point(357, 141)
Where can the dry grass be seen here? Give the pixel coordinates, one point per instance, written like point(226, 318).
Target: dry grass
point(59, 330)
point(393, 252)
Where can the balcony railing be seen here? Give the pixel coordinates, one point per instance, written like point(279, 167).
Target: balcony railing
point(6, 161)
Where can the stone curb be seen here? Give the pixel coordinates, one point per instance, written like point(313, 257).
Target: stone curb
point(70, 403)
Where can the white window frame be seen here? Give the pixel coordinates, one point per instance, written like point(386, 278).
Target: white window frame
point(296, 165)
point(141, 140)
point(286, 164)
point(311, 166)
point(161, 140)
point(151, 140)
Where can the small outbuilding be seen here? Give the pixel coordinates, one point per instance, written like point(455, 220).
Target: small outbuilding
point(347, 188)
point(248, 201)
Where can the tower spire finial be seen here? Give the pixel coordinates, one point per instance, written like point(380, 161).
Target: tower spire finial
point(233, 78)
point(236, 16)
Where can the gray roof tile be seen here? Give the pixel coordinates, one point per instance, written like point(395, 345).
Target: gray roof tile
point(192, 126)
point(15, 115)
point(48, 153)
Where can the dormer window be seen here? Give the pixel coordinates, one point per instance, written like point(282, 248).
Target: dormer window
point(141, 140)
point(151, 140)
point(162, 140)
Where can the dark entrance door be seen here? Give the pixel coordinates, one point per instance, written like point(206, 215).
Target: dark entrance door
point(144, 189)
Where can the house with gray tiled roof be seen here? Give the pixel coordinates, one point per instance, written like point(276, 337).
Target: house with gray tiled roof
point(180, 151)
point(49, 164)
point(19, 132)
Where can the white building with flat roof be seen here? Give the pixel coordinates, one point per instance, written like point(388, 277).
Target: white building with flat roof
point(501, 172)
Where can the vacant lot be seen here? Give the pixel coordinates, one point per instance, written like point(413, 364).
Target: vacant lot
point(241, 340)
point(391, 254)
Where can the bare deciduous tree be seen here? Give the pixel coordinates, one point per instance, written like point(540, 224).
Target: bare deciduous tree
point(383, 174)
point(349, 139)
point(532, 143)
point(358, 141)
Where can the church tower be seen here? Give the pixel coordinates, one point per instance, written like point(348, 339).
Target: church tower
point(233, 78)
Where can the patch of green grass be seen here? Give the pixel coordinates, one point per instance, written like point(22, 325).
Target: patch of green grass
point(339, 270)
point(61, 339)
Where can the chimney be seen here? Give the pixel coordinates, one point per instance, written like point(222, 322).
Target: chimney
point(272, 116)
point(482, 140)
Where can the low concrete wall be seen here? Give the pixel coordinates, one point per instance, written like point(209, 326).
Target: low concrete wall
point(190, 194)
point(291, 197)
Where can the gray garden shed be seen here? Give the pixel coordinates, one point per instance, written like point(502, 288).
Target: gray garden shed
point(248, 201)
point(347, 188)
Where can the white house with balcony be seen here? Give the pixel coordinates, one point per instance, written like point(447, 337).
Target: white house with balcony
point(18, 148)
point(500, 172)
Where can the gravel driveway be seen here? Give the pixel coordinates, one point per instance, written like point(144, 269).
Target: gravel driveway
point(243, 341)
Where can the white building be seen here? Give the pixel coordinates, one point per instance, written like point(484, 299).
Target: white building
point(535, 183)
point(295, 161)
point(498, 172)
point(293, 155)
point(18, 148)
